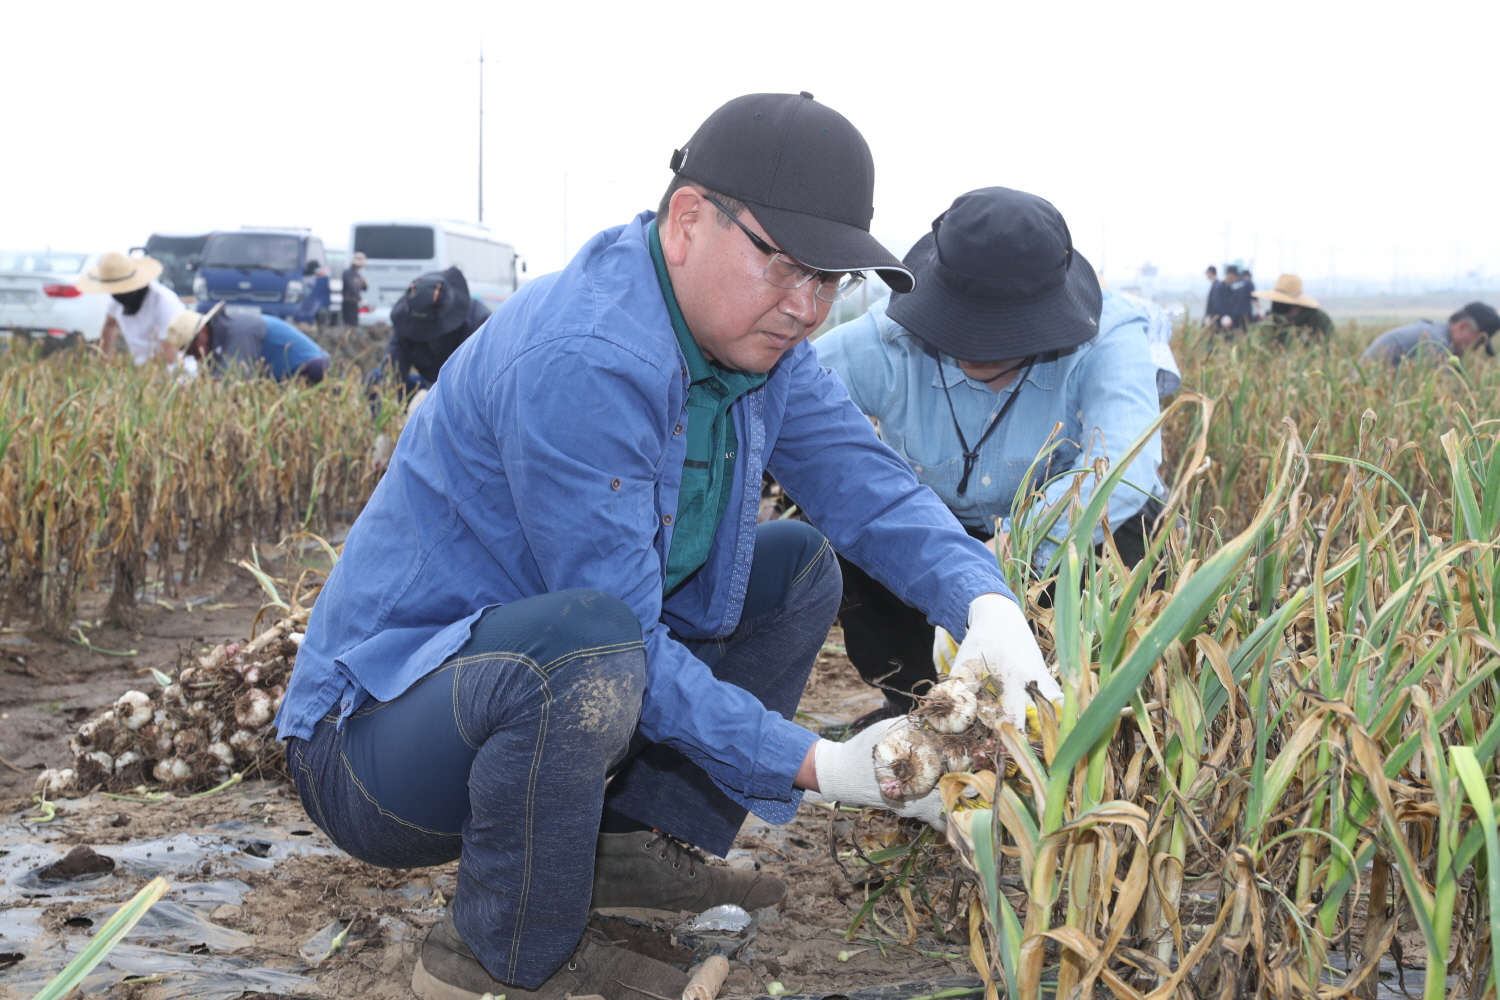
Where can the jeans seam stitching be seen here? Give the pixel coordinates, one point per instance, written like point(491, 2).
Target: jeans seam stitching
point(591, 651)
point(817, 558)
point(536, 759)
point(381, 809)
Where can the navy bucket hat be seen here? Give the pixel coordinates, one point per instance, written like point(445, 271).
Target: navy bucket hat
point(998, 278)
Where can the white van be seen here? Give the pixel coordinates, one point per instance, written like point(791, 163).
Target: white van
point(397, 252)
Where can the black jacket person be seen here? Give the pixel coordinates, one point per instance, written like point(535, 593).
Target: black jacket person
point(431, 320)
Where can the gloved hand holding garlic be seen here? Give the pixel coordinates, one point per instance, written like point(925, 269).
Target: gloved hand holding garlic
point(896, 764)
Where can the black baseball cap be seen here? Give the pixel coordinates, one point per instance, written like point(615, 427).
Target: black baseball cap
point(805, 172)
point(1000, 279)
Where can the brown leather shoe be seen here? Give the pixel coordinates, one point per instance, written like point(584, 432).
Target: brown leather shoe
point(651, 870)
point(447, 970)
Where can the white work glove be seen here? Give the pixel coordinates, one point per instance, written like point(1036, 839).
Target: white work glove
point(846, 773)
point(1000, 643)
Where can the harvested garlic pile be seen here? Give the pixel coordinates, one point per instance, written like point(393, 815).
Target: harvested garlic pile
point(212, 720)
point(952, 730)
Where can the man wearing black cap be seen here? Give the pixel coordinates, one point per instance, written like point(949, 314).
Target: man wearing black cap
point(1006, 338)
point(560, 582)
point(428, 324)
point(1427, 339)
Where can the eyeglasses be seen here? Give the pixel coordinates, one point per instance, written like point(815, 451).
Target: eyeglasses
point(784, 272)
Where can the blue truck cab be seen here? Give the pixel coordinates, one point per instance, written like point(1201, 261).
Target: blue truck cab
point(279, 272)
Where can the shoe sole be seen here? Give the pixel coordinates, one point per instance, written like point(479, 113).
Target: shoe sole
point(429, 987)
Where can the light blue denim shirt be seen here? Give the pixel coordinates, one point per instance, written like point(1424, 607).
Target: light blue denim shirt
point(1103, 393)
point(549, 456)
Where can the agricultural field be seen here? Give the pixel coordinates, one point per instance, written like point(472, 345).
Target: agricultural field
point(1274, 773)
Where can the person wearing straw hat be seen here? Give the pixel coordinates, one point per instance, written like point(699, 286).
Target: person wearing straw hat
point(1007, 335)
point(141, 308)
point(1474, 324)
point(1292, 309)
point(250, 344)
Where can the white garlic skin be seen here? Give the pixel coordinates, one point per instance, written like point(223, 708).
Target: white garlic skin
point(125, 760)
point(252, 709)
point(908, 763)
point(224, 752)
point(53, 781)
point(134, 709)
point(172, 771)
point(951, 707)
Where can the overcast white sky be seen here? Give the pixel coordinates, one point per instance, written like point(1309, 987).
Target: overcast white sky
point(1357, 138)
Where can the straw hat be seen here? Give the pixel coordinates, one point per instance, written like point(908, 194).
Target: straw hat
point(1289, 290)
point(118, 273)
point(186, 324)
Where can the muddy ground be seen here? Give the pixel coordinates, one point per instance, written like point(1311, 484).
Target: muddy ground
point(259, 895)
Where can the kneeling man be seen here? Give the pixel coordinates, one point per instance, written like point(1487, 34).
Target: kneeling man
point(558, 647)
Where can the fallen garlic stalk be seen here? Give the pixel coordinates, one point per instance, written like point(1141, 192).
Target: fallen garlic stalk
point(953, 729)
point(213, 719)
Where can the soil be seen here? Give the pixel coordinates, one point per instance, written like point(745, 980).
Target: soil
point(260, 897)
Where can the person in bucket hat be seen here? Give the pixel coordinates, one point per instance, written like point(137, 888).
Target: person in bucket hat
point(1006, 335)
point(428, 324)
point(557, 646)
point(1474, 324)
point(1292, 310)
point(141, 308)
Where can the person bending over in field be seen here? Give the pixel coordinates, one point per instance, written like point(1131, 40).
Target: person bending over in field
point(1007, 335)
point(558, 647)
point(1293, 313)
point(1427, 339)
point(428, 324)
point(249, 344)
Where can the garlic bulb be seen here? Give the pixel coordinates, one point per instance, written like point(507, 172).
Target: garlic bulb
point(52, 781)
point(951, 707)
point(252, 709)
point(134, 709)
point(172, 771)
point(908, 763)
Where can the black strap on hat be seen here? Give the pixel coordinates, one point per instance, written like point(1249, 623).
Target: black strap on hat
point(971, 455)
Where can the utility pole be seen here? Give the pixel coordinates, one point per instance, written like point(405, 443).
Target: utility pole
point(481, 131)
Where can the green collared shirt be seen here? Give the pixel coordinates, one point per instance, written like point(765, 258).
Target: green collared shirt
point(708, 470)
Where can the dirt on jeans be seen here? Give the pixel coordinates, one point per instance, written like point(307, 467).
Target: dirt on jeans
point(263, 905)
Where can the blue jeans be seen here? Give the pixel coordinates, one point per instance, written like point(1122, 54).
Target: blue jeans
point(500, 757)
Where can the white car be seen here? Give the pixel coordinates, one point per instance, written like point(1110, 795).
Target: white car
point(38, 296)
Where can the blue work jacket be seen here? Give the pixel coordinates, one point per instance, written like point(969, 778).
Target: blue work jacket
point(1103, 393)
point(549, 456)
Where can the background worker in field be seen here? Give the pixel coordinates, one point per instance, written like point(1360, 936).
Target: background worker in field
point(1430, 340)
point(140, 310)
point(1006, 335)
point(1213, 305)
point(251, 344)
point(561, 578)
point(1294, 313)
point(428, 324)
point(1235, 303)
point(353, 290)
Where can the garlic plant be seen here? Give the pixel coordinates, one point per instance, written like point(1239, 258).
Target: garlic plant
point(213, 719)
point(952, 730)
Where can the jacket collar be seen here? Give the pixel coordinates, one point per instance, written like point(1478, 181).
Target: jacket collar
point(1043, 374)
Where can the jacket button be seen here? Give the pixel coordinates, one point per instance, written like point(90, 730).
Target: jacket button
point(614, 484)
point(666, 519)
point(677, 429)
